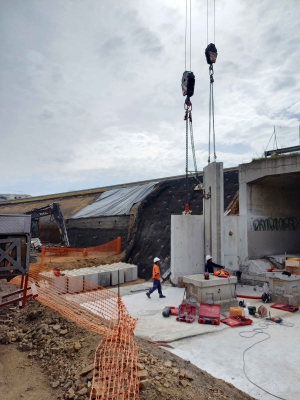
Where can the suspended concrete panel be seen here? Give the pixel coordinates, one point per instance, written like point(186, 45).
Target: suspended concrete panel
point(187, 245)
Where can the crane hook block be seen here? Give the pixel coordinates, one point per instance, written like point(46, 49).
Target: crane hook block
point(211, 54)
point(188, 83)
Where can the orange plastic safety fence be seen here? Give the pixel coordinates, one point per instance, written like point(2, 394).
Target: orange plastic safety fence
point(102, 311)
point(52, 253)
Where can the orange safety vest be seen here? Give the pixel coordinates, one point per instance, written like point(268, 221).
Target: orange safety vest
point(156, 272)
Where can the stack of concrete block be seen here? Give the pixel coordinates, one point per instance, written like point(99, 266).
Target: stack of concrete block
point(58, 283)
point(90, 278)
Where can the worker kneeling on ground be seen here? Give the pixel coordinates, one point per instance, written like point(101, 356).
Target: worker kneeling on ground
point(156, 279)
point(209, 266)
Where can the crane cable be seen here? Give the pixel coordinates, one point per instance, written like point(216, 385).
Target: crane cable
point(188, 82)
point(211, 50)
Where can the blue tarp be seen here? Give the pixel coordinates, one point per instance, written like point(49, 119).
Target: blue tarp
point(115, 202)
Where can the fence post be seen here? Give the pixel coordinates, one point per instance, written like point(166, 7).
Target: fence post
point(119, 243)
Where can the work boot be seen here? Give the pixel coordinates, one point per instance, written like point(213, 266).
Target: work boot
point(148, 295)
point(161, 296)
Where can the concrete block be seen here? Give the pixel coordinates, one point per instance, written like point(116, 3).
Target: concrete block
point(130, 273)
point(75, 283)
point(104, 278)
point(114, 277)
point(91, 281)
point(57, 283)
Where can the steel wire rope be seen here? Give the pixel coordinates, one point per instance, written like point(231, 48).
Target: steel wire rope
point(209, 122)
point(213, 119)
point(190, 35)
point(185, 34)
point(193, 144)
point(186, 159)
point(211, 96)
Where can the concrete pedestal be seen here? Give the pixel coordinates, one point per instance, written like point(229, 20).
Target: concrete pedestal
point(218, 290)
point(280, 285)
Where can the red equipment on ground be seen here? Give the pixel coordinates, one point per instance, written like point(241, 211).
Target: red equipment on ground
point(209, 314)
point(174, 310)
point(285, 307)
point(187, 313)
point(236, 321)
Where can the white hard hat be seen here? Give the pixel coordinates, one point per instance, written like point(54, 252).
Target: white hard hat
point(156, 259)
point(208, 258)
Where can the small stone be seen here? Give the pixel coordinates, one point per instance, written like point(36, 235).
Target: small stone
point(140, 366)
point(32, 354)
point(55, 384)
point(143, 374)
point(82, 392)
point(67, 385)
point(154, 374)
point(26, 346)
point(175, 371)
point(86, 370)
point(71, 393)
point(168, 364)
point(145, 384)
point(183, 383)
point(63, 332)
point(182, 374)
point(55, 350)
point(189, 376)
point(167, 385)
point(56, 327)
point(77, 346)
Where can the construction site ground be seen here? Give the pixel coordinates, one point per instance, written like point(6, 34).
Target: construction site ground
point(45, 356)
point(218, 349)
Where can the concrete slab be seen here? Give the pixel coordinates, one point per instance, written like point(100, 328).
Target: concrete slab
point(273, 364)
point(152, 325)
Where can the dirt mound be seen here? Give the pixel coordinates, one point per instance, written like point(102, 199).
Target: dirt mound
point(56, 358)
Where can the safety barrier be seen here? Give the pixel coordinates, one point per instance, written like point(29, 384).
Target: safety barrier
point(54, 253)
point(102, 311)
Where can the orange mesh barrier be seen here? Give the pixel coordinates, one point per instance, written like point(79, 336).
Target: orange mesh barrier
point(102, 311)
point(53, 253)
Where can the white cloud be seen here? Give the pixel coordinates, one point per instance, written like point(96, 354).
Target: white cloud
point(90, 93)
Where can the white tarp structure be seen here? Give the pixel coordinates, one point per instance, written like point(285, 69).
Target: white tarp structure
point(115, 202)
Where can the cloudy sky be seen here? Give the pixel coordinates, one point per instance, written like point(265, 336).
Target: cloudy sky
point(90, 89)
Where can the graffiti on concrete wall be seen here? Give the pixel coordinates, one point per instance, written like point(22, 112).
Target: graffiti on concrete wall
point(276, 224)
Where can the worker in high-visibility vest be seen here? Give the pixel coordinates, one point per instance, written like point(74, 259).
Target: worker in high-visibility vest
point(156, 279)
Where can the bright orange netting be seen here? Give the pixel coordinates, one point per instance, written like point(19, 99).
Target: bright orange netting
point(100, 310)
point(56, 253)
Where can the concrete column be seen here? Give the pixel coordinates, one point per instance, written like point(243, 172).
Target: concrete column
point(214, 211)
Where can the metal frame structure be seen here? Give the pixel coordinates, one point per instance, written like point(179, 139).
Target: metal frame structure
point(15, 256)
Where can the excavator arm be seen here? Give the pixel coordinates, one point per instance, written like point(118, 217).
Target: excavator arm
point(55, 212)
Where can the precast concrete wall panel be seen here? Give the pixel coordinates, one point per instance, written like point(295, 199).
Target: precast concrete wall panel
point(231, 242)
point(187, 245)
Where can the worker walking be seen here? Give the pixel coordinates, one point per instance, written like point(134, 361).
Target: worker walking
point(209, 266)
point(156, 279)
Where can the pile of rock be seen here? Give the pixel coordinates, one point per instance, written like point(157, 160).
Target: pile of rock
point(160, 373)
point(56, 343)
